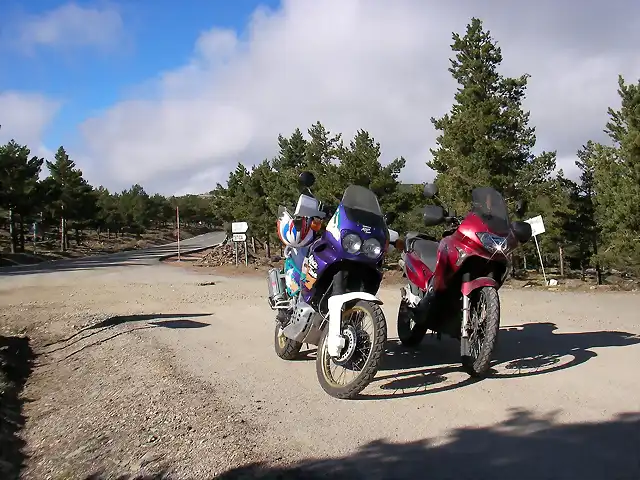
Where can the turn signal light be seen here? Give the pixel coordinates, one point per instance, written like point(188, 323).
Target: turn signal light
point(316, 224)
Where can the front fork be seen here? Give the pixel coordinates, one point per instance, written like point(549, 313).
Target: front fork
point(465, 351)
point(464, 333)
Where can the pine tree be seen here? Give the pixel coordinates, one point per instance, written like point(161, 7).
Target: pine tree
point(360, 165)
point(71, 192)
point(485, 140)
point(19, 192)
point(616, 178)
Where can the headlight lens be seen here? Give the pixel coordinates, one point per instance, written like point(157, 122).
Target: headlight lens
point(352, 243)
point(372, 248)
point(493, 243)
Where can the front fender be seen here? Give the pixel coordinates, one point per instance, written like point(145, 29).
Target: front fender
point(335, 340)
point(468, 287)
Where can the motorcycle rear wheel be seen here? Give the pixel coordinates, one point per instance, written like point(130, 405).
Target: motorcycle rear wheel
point(365, 368)
point(486, 302)
point(409, 332)
point(286, 348)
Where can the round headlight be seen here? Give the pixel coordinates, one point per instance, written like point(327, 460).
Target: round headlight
point(352, 243)
point(372, 248)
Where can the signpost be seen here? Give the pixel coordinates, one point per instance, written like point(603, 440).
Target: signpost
point(178, 229)
point(537, 228)
point(239, 235)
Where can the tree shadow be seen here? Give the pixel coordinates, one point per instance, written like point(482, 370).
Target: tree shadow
point(525, 446)
point(110, 323)
point(120, 319)
point(522, 351)
point(16, 364)
point(178, 324)
point(116, 320)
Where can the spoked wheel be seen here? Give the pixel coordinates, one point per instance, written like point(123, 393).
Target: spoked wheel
point(286, 348)
point(409, 332)
point(484, 325)
point(365, 331)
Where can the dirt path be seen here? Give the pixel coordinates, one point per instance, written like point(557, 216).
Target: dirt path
point(181, 376)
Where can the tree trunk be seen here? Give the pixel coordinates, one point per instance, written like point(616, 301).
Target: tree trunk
point(63, 234)
point(561, 254)
point(12, 232)
point(21, 234)
point(598, 269)
point(253, 245)
point(77, 235)
point(524, 262)
point(267, 248)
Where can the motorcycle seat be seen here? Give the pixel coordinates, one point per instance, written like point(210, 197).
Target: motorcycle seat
point(425, 248)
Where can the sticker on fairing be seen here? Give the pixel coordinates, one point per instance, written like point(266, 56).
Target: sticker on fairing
point(333, 227)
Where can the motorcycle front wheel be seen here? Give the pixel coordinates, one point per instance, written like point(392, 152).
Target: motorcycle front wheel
point(365, 330)
point(485, 321)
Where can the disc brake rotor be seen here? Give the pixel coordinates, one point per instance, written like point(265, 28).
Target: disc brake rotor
point(351, 342)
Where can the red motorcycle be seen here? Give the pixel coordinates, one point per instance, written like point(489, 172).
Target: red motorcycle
point(453, 283)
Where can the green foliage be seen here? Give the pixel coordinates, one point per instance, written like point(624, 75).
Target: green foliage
point(485, 140)
point(255, 195)
point(615, 171)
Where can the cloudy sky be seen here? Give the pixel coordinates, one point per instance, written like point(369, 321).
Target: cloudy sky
point(173, 94)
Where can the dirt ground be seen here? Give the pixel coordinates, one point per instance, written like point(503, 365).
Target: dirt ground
point(162, 372)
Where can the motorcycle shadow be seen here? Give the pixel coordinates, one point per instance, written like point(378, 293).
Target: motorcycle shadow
point(535, 348)
point(522, 351)
point(306, 354)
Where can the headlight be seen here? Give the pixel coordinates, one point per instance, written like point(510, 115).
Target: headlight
point(352, 243)
point(372, 248)
point(493, 243)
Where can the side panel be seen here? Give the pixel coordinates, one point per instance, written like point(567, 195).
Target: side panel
point(416, 271)
point(321, 255)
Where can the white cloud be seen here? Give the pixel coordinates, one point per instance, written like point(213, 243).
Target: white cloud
point(352, 64)
point(70, 25)
point(25, 117)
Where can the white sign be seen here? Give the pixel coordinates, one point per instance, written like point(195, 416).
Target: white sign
point(239, 237)
point(239, 227)
point(537, 225)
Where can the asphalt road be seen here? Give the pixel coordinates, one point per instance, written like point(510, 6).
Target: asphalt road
point(145, 256)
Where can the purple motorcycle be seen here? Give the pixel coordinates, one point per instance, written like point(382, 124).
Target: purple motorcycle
point(325, 295)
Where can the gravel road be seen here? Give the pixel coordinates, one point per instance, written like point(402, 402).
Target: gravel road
point(562, 403)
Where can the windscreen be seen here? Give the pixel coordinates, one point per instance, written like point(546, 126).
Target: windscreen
point(361, 198)
point(489, 205)
point(361, 206)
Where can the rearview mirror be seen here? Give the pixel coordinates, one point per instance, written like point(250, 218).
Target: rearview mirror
point(433, 215)
point(307, 179)
point(430, 190)
point(522, 231)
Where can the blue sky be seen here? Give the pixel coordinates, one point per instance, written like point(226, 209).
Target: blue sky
point(159, 36)
point(172, 94)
